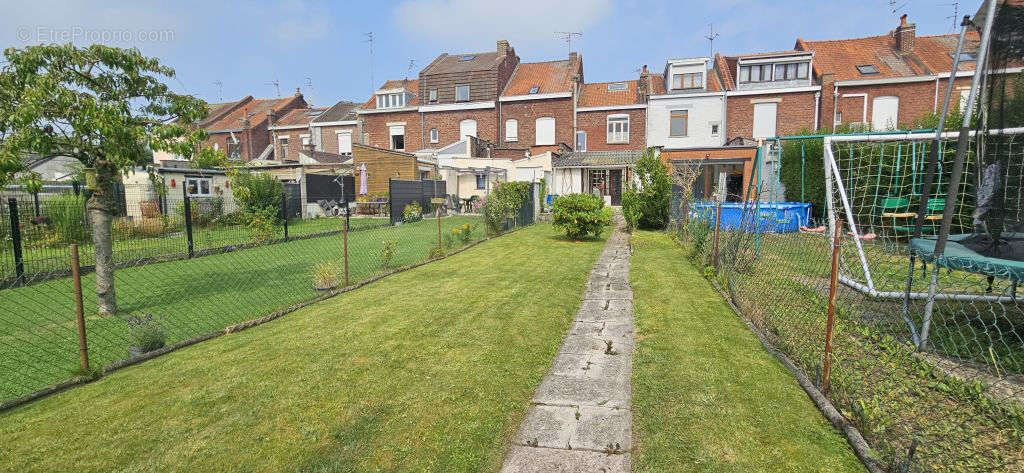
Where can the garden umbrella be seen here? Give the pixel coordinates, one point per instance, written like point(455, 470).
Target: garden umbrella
point(362, 179)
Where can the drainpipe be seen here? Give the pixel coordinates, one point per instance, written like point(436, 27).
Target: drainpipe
point(835, 104)
point(817, 111)
point(935, 104)
point(725, 118)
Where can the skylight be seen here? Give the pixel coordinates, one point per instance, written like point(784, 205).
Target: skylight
point(616, 86)
point(467, 57)
point(968, 56)
point(867, 69)
point(534, 89)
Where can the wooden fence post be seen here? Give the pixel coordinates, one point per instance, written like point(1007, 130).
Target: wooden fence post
point(344, 238)
point(437, 216)
point(831, 316)
point(76, 278)
point(718, 231)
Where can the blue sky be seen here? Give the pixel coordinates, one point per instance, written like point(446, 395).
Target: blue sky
point(248, 46)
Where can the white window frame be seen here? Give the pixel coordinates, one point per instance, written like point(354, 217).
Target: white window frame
point(715, 128)
point(394, 100)
point(433, 95)
point(511, 129)
point(462, 127)
point(392, 134)
point(478, 176)
point(199, 186)
point(545, 138)
point(617, 127)
point(457, 87)
point(433, 135)
point(305, 139)
point(581, 140)
point(341, 149)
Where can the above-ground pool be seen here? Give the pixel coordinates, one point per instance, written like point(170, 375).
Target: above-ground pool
point(778, 217)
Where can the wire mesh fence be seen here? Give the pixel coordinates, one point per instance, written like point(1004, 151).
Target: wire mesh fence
point(186, 268)
point(925, 354)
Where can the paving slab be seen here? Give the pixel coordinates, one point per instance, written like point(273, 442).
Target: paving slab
point(603, 429)
point(548, 460)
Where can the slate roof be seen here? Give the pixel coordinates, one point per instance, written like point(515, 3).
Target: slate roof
point(338, 112)
point(448, 64)
point(597, 94)
point(411, 86)
point(549, 77)
point(595, 158)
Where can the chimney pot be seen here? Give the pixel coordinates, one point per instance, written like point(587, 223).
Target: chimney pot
point(903, 19)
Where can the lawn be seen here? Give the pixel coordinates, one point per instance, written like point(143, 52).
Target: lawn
point(38, 344)
point(427, 370)
point(706, 395)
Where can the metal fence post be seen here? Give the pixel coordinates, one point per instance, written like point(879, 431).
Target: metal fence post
point(35, 204)
point(831, 316)
point(284, 213)
point(76, 278)
point(344, 238)
point(718, 232)
point(188, 220)
point(19, 258)
point(437, 216)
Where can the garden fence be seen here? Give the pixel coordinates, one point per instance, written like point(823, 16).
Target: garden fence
point(187, 267)
point(956, 405)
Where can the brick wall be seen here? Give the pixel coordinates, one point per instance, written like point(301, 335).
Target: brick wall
point(381, 165)
point(595, 124)
point(329, 136)
point(528, 111)
point(294, 136)
point(794, 113)
point(916, 100)
point(447, 124)
point(375, 126)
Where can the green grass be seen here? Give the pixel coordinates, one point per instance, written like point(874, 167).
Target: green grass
point(427, 370)
point(38, 344)
point(706, 395)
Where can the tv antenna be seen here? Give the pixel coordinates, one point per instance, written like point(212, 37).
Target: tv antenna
point(711, 39)
point(567, 37)
point(955, 16)
point(408, 72)
point(894, 8)
point(309, 85)
point(369, 39)
point(220, 90)
point(277, 87)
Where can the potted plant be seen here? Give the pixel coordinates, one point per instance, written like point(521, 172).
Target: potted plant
point(325, 276)
point(145, 335)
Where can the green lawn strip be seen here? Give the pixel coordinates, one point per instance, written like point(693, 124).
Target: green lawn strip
point(706, 395)
point(38, 344)
point(428, 370)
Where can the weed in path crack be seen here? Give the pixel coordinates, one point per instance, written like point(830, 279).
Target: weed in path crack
point(608, 348)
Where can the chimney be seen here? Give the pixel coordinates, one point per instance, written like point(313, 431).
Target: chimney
point(643, 86)
point(298, 93)
point(502, 47)
point(905, 34)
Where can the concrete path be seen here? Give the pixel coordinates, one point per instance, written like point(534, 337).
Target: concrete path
point(580, 419)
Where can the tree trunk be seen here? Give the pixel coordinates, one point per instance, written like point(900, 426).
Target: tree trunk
point(101, 216)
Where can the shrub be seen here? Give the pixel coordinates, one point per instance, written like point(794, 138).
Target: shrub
point(386, 253)
point(66, 216)
point(325, 275)
point(646, 205)
point(580, 215)
point(436, 251)
point(145, 334)
point(412, 212)
point(125, 229)
point(262, 224)
point(464, 232)
point(257, 192)
point(506, 199)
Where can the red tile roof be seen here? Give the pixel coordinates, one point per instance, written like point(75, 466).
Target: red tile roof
point(598, 95)
point(549, 77)
point(255, 110)
point(411, 85)
point(931, 55)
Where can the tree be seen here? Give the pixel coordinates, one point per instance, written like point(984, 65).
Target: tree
point(106, 107)
point(645, 205)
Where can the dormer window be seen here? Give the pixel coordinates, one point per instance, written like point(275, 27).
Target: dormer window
point(535, 89)
point(689, 80)
point(391, 100)
point(867, 69)
point(774, 72)
point(618, 86)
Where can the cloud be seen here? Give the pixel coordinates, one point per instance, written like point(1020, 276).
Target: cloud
point(297, 22)
point(458, 23)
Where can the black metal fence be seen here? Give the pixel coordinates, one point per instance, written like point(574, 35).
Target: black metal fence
point(404, 192)
point(187, 266)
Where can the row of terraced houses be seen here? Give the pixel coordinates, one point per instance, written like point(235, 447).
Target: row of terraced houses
point(478, 118)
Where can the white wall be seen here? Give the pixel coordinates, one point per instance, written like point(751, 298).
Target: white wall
point(566, 181)
point(702, 111)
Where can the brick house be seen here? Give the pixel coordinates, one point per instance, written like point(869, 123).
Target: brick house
point(612, 116)
point(336, 129)
point(290, 133)
point(240, 128)
point(391, 119)
point(536, 107)
point(889, 80)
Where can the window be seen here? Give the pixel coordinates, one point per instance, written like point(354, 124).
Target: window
point(467, 128)
point(433, 95)
point(885, 113)
point(678, 122)
point(689, 80)
point(305, 140)
point(967, 56)
point(424, 175)
point(714, 128)
point(545, 131)
point(391, 100)
point(838, 118)
point(765, 118)
point(791, 71)
point(197, 186)
point(581, 140)
point(234, 150)
point(867, 69)
point(433, 135)
point(397, 137)
point(284, 147)
point(462, 93)
point(481, 181)
point(344, 142)
point(534, 89)
point(618, 129)
point(760, 72)
point(616, 86)
point(466, 57)
point(511, 130)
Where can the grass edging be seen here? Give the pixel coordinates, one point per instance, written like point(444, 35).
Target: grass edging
point(121, 364)
point(853, 436)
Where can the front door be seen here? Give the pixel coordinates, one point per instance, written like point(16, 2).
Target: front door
point(615, 185)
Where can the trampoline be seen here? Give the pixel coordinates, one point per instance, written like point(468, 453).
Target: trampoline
point(959, 257)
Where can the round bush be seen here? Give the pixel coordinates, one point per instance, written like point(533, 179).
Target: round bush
point(580, 215)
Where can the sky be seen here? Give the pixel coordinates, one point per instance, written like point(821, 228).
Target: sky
point(225, 51)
